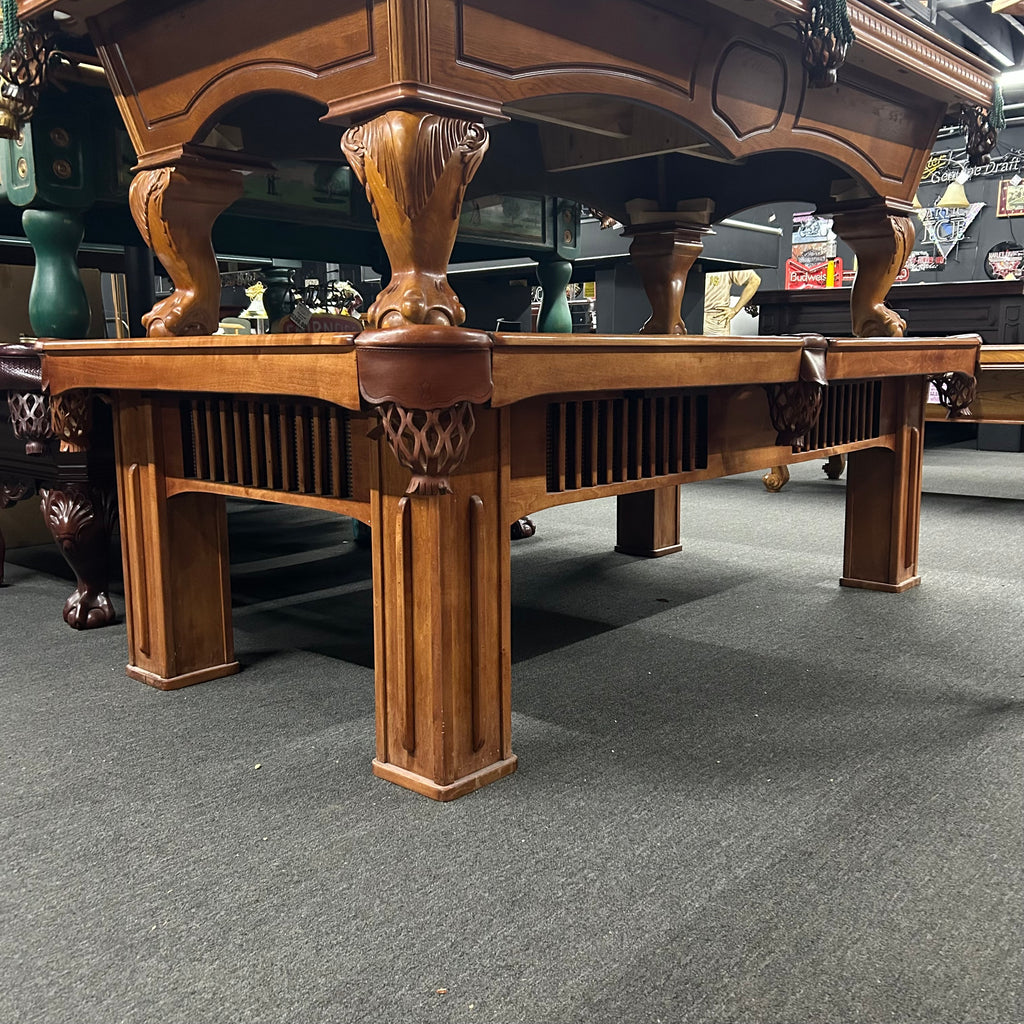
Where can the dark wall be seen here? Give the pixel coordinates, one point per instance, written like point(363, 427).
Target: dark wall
point(967, 261)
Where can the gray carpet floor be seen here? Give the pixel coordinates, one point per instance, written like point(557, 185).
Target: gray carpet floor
point(745, 794)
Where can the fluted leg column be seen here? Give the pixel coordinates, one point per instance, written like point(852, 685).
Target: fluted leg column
point(442, 657)
point(175, 552)
point(439, 473)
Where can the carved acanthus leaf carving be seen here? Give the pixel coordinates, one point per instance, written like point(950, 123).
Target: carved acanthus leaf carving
point(431, 443)
point(81, 518)
point(415, 168)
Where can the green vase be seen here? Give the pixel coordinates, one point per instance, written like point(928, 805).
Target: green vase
point(57, 304)
point(555, 316)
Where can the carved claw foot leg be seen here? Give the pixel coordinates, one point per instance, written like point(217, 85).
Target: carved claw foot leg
point(882, 235)
point(523, 528)
point(776, 478)
point(415, 168)
point(81, 519)
point(174, 208)
point(834, 467)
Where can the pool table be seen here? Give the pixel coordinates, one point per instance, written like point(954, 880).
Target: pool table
point(663, 114)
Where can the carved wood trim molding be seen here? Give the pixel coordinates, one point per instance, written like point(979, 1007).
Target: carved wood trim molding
point(911, 45)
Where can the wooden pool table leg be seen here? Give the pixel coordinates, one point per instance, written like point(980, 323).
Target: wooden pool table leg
point(883, 501)
point(175, 552)
point(647, 522)
point(881, 233)
point(442, 621)
point(175, 207)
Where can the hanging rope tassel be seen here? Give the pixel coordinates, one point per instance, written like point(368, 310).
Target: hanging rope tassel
point(12, 26)
point(827, 35)
point(24, 56)
point(997, 116)
point(982, 127)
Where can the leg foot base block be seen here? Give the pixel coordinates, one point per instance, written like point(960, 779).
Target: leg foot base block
point(669, 549)
point(888, 588)
point(185, 679)
point(460, 787)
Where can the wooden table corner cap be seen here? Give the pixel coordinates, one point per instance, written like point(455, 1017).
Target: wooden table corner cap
point(418, 337)
point(812, 361)
point(424, 367)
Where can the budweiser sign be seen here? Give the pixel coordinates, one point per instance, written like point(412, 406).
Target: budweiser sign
point(822, 275)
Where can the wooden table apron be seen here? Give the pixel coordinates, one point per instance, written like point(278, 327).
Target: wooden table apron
point(696, 408)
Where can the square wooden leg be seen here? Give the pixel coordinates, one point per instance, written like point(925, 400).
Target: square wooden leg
point(175, 551)
point(647, 523)
point(442, 615)
point(883, 502)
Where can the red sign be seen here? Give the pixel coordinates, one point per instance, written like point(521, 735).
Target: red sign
point(823, 275)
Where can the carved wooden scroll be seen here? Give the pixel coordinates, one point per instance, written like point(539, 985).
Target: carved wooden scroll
point(175, 208)
point(663, 259)
point(776, 478)
point(882, 236)
point(415, 168)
